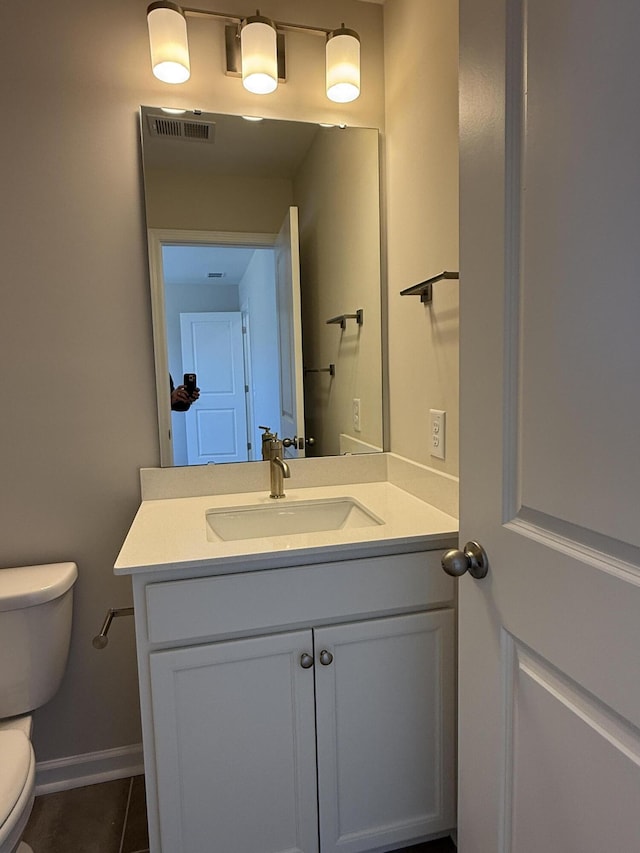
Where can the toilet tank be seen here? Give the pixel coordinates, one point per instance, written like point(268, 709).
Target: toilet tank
point(36, 604)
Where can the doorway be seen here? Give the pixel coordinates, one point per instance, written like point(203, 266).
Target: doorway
point(211, 294)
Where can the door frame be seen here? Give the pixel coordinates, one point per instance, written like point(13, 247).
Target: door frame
point(156, 239)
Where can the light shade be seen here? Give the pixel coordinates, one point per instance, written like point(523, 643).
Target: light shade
point(168, 42)
point(258, 44)
point(343, 65)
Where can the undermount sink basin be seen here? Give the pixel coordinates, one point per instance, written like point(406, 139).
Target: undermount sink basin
point(282, 519)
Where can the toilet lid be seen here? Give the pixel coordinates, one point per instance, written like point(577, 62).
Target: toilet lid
point(15, 749)
point(27, 586)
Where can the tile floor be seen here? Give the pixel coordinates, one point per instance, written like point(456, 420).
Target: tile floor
point(111, 818)
point(107, 818)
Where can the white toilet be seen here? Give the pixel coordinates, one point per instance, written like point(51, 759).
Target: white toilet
point(35, 629)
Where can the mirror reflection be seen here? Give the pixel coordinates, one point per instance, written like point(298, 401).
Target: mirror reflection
point(264, 248)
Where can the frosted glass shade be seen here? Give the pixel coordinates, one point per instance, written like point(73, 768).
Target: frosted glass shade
point(168, 42)
point(343, 66)
point(258, 44)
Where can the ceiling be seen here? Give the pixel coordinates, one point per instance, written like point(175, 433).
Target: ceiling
point(269, 148)
point(192, 264)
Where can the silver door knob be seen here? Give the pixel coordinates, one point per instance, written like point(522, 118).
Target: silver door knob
point(306, 661)
point(297, 441)
point(325, 657)
point(473, 559)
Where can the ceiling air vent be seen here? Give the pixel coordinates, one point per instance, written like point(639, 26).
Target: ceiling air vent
point(216, 275)
point(174, 127)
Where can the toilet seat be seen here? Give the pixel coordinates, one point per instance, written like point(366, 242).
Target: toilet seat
point(17, 785)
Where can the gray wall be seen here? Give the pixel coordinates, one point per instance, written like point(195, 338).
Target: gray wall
point(421, 125)
point(78, 416)
point(337, 191)
point(181, 198)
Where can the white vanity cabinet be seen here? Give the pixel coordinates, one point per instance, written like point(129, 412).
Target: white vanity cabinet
point(235, 746)
point(308, 708)
point(384, 722)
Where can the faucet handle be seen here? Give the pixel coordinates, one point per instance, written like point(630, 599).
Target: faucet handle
point(267, 435)
point(268, 439)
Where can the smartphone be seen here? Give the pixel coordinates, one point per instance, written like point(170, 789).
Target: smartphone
point(190, 383)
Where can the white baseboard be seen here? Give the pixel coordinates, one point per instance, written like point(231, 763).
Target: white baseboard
point(75, 771)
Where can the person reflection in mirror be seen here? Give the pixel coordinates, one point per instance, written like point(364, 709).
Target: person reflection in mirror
point(181, 400)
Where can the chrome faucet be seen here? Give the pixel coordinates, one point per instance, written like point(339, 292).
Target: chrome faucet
point(272, 449)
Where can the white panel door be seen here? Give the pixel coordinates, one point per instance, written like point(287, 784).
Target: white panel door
point(290, 330)
point(386, 720)
point(235, 747)
point(550, 426)
point(216, 425)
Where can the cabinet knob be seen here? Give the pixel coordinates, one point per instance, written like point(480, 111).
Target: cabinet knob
point(325, 657)
point(306, 661)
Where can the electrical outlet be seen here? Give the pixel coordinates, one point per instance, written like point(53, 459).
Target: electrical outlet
point(437, 433)
point(356, 414)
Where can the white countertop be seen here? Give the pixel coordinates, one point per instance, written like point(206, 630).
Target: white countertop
point(171, 533)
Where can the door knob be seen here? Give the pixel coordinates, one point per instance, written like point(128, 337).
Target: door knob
point(325, 657)
point(306, 661)
point(473, 559)
point(298, 442)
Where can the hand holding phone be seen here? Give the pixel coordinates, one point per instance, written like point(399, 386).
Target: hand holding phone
point(190, 383)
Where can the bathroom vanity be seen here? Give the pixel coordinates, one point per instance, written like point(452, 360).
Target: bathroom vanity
point(297, 689)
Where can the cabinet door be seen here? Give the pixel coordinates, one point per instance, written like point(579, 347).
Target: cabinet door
point(385, 722)
point(235, 746)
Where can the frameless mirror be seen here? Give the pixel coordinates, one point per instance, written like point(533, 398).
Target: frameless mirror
point(264, 251)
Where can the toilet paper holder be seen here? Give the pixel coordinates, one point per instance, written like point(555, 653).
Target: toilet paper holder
point(101, 639)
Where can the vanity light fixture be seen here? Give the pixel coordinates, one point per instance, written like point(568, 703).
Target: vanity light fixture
point(343, 65)
point(259, 55)
point(254, 49)
point(168, 42)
